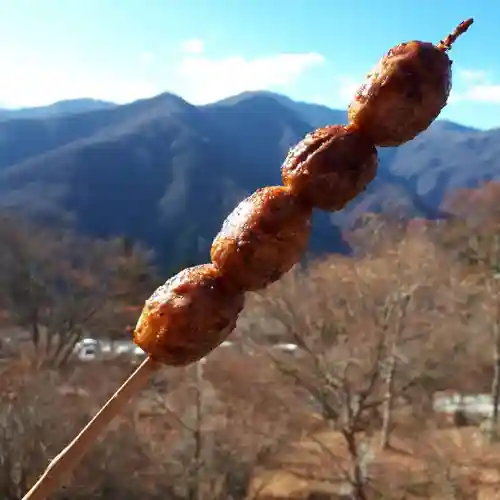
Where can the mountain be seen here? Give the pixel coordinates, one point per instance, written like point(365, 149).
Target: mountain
point(57, 108)
point(167, 173)
point(316, 115)
point(160, 170)
point(446, 158)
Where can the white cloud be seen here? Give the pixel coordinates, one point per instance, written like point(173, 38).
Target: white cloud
point(483, 93)
point(35, 81)
point(146, 58)
point(471, 75)
point(346, 87)
point(40, 88)
point(476, 86)
point(193, 46)
point(206, 80)
point(336, 92)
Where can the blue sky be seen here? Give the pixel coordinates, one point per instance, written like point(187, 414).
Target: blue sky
point(204, 50)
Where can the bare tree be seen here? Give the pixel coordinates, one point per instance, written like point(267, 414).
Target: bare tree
point(226, 423)
point(40, 412)
point(343, 379)
point(368, 330)
point(58, 286)
point(391, 368)
point(472, 236)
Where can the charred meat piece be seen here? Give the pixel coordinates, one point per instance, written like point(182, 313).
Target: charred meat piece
point(330, 167)
point(262, 238)
point(405, 92)
point(188, 316)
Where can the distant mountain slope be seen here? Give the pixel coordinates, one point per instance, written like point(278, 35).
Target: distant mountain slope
point(167, 173)
point(160, 170)
point(444, 159)
point(58, 108)
point(316, 115)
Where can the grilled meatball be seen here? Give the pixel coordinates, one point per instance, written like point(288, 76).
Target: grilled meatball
point(405, 92)
point(188, 316)
point(330, 167)
point(262, 238)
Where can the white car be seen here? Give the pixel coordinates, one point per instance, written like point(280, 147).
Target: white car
point(86, 349)
point(89, 349)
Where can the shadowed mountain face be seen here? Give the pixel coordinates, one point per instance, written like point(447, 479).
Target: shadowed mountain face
point(167, 173)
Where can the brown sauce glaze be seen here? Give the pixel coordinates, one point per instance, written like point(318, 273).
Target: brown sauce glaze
point(262, 238)
point(188, 316)
point(403, 95)
point(330, 167)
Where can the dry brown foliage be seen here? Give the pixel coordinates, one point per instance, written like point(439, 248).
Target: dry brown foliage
point(202, 438)
point(378, 336)
point(57, 286)
point(348, 413)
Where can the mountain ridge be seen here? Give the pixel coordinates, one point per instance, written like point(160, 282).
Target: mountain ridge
point(66, 106)
point(166, 172)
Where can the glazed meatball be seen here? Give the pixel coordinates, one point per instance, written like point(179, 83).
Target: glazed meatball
point(405, 92)
point(262, 238)
point(188, 316)
point(330, 167)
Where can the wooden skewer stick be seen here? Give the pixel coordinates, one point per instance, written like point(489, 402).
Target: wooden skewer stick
point(446, 44)
point(64, 463)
